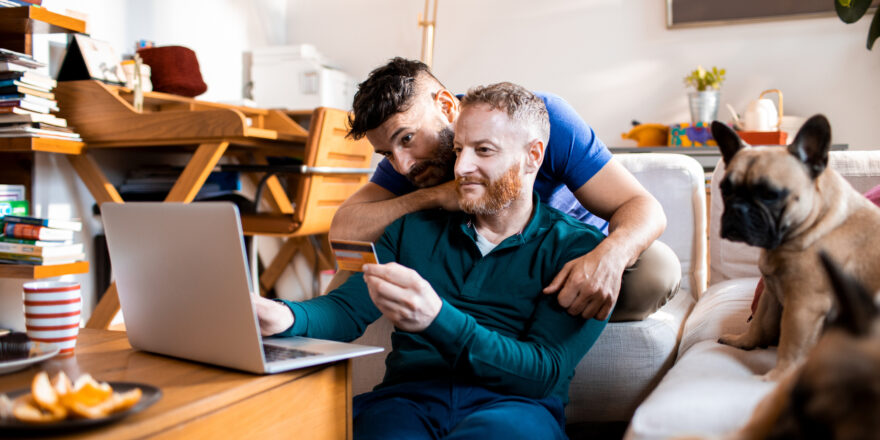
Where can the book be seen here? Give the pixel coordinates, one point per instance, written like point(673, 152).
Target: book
point(20, 3)
point(8, 257)
point(70, 225)
point(37, 125)
point(31, 98)
point(22, 108)
point(11, 192)
point(67, 250)
point(24, 90)
point(31, 77)
point(16, 82)
point(19, 58)
point(36, 132)
point(34, 232)
point(40, 243)
point(8, 66)
point(33, 117)
point(13, 207)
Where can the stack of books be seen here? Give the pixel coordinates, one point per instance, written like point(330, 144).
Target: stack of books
point(27, 101)
point(39, 241)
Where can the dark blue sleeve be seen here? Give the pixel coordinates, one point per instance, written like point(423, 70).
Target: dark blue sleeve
point(387, 177)
point(574, 154)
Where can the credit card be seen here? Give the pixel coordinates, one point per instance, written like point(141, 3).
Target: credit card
point(353, 255)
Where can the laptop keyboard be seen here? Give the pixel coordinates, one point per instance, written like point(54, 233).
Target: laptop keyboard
point(276, 353)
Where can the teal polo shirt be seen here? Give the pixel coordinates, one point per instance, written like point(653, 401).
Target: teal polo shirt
point(495, 328)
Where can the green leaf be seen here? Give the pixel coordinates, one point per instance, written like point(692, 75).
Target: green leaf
point(874, 32)
point(850, 11)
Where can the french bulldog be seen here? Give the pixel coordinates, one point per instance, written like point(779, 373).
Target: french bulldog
point(836, 393)
point(788, 202)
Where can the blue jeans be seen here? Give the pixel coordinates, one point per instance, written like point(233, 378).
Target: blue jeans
point(444, 409)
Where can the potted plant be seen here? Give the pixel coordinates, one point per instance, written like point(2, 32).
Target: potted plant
point(850, 11)
point(704, 101)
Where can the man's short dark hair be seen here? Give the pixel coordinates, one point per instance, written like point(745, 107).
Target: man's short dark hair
point(388, 90)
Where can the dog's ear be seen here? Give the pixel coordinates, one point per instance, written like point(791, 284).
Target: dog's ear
point(812, 143)
point(727, 139)
point(855, 305)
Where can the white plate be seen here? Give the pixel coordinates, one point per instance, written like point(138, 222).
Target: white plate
point(41, 352)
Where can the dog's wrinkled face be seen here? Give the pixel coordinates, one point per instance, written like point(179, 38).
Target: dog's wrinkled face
point(769, 191)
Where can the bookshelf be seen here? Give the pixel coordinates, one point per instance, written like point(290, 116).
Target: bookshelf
point(46, 145)
point(19, 24)
point(17, 27)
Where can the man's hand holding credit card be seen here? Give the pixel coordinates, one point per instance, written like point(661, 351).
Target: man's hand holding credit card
point(353, 255)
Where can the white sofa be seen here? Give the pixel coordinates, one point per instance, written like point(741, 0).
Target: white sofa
point(712, 389)
point(629, 358)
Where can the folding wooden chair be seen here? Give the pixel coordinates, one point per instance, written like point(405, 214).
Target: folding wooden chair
point(334, 168)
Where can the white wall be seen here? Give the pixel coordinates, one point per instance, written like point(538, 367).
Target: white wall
point(614, 60)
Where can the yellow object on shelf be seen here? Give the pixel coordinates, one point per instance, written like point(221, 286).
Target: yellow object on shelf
point(648, 135)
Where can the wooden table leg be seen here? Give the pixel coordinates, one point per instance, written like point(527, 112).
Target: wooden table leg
point(106, 309)
point(95, 180)
point(196, 172)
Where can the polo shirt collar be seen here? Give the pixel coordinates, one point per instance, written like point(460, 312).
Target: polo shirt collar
point(537, 224)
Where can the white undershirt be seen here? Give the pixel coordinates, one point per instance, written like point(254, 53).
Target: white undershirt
point(483, 244)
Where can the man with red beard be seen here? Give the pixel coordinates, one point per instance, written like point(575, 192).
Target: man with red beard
point(408, 116)
point(478, 350)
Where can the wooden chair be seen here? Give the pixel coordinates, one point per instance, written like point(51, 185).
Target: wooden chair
point(334, 168)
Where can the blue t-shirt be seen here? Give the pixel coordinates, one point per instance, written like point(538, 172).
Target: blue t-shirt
point(573, 156)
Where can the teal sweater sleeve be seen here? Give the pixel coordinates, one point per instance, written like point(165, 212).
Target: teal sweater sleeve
point(538, 365)
point(344, 313)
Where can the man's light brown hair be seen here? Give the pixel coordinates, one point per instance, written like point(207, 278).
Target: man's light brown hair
point(521, 106)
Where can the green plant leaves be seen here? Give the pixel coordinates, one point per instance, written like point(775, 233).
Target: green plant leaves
point(850, 11)
point(874, 32)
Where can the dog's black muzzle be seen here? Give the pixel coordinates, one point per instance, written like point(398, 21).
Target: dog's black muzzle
point(752, 223)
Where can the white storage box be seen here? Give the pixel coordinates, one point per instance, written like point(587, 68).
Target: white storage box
point(297, 77)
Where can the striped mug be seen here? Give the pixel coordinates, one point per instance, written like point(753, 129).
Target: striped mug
point(52, 312)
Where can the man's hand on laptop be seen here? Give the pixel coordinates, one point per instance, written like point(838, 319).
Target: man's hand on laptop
point(274, 317)
point(402, 295)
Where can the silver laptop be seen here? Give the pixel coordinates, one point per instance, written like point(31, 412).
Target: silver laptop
point(184, 288)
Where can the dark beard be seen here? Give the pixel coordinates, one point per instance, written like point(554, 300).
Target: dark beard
point(441, 167)
point(500, 193)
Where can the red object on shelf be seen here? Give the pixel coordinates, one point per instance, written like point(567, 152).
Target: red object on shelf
point(174, 69)
point(763, 137)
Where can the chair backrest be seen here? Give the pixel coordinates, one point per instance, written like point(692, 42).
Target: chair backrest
point(729, 260)
point(318, 196)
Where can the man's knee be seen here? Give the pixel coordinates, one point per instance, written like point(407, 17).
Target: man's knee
point(392, 418)
point(510, 420)
point(648, 284)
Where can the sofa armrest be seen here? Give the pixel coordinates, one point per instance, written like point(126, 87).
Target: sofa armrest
point(678, 182)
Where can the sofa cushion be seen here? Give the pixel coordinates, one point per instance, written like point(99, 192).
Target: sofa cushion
point(627, 361)
point(712, 390)
point(724, 308)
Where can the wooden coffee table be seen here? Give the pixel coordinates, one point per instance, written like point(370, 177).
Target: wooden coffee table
point(202, 401)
